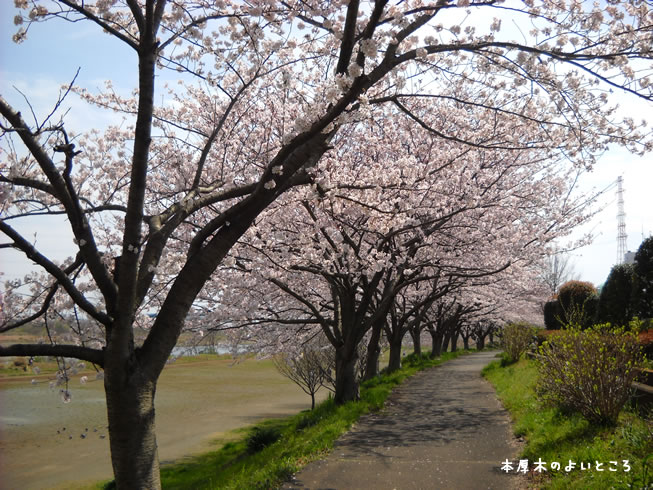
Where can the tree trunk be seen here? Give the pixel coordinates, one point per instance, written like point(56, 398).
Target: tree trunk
point(132, 437)
point(466, 343)
point(454, 342)
point(312, 400)
point(480, 342)
point(373, 353)
point(436, 343)
point(417, 343)
point(445, 342)
point(346, 382)
point(395, 356)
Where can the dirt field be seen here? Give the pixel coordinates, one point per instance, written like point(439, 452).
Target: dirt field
point(46, 444)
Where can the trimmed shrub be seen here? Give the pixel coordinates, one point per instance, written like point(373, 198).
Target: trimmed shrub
point(516, 340)
point(578, 301)
point(615, 300)
point(589, 371)
point(552, 315)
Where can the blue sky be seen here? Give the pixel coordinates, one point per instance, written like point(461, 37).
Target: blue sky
point(54, 51)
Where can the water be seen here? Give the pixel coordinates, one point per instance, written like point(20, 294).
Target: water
point(184, 351)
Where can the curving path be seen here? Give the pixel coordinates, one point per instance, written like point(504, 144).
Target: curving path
point(442, 429)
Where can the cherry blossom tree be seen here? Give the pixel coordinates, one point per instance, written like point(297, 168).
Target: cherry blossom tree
point(156, 203)
point(346, 251)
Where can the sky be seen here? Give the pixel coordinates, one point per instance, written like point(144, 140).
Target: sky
point(38, 68)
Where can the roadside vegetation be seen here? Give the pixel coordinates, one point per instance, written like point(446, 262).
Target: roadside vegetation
point(265, 455)
point(555, 434)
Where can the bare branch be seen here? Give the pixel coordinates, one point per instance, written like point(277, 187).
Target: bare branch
point(95, 356)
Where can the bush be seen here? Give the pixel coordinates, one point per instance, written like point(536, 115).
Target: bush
point(261, 437)
point(589, 371)
point(578, 302)
point(615, 301)
point(552, 315)
point(516, 340)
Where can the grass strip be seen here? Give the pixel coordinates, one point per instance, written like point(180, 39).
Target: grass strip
point(556, 436)
point(299, 439)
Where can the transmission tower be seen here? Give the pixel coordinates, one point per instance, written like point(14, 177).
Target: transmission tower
point(621, 222)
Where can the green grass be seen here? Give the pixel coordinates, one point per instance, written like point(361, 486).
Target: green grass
point(305, 437)
point(555, 436)
point(18, 366)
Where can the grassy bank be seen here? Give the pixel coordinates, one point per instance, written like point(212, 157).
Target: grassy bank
point(562, 437)
point(265, 455)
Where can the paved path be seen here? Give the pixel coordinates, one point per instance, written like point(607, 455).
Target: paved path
point(442, 429)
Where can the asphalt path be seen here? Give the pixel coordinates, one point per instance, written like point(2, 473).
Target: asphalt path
point(441, 429)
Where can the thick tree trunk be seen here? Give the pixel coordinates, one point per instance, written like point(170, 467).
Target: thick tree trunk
point(436, 343)
point(454, 342)
point(395, 356)
point(445, 342)
point(466, 343)
point(480, 342)
point(346, 382)
point(130, 411)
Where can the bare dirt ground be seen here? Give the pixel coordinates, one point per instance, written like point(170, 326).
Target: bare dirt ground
point(46, 444)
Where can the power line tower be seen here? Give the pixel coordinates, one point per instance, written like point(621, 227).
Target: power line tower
point(621, 222)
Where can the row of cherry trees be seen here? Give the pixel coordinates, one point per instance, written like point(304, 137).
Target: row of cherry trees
point(340, 164)
point(374, 248)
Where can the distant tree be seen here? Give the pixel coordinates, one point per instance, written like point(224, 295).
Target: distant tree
point(309, 369)
point(556, 270)
point(482, 329)
point(642, 291)
point(615, 300)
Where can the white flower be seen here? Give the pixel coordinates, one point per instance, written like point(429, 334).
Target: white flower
point(83, 380)
point(270, 184)
point(369, 48)
point(355, 70)
point(421, 53)
point(20, 36)
point(277, 170)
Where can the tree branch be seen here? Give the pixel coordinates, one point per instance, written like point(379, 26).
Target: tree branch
point(95, 356)
point(23, 245)
point(92, 17)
